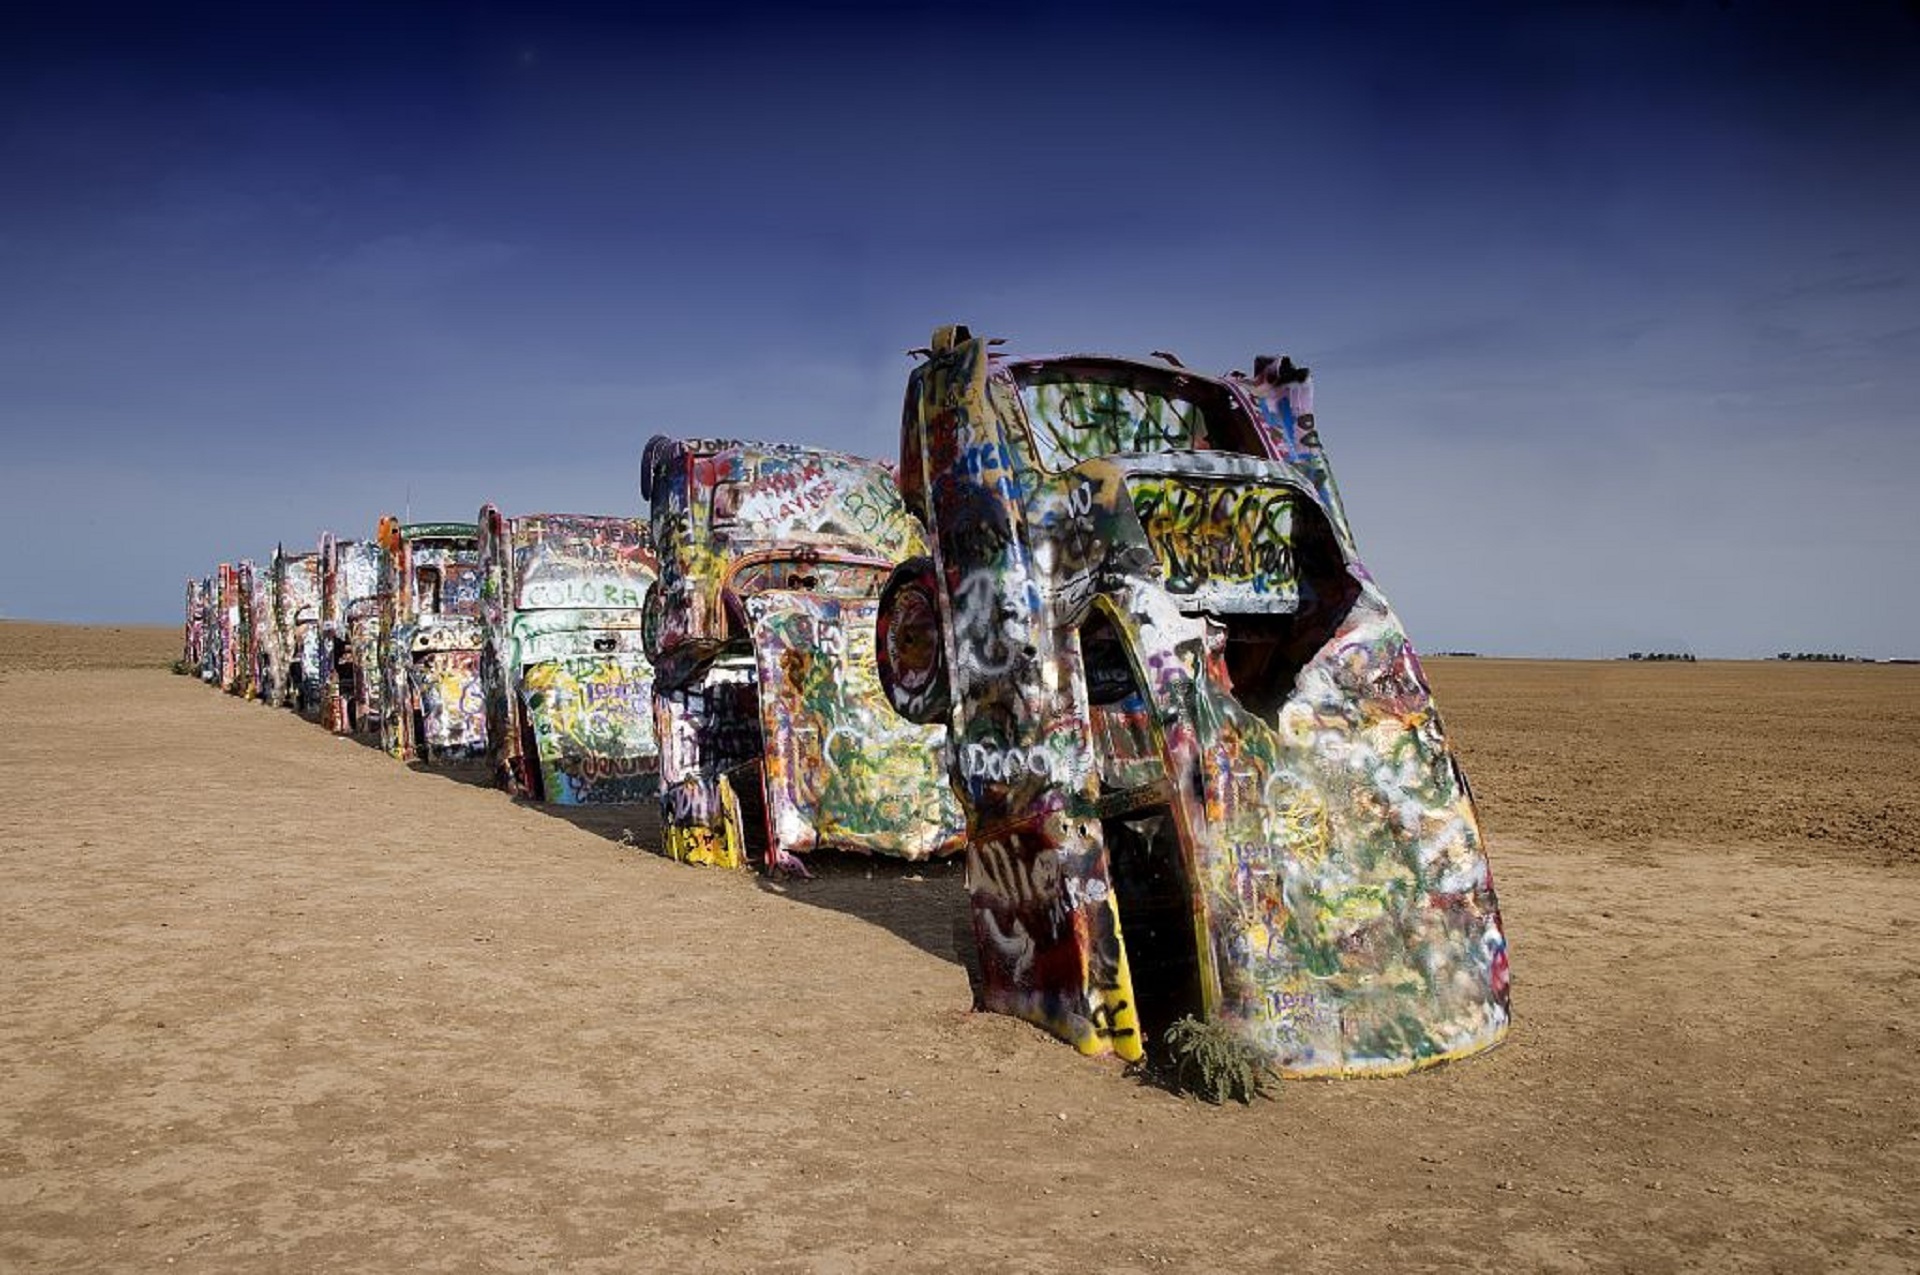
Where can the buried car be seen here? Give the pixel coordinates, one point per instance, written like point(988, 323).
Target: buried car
point(776, 737)
point(237, 666)
point(297, 597)
point(222, 619)
point(434, 709)
point(269, 656)
point(565, 680)
point(351, 575)
point(1204, 771)
point(193, 645)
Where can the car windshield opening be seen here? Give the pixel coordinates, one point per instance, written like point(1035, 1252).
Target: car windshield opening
point(1076, 415)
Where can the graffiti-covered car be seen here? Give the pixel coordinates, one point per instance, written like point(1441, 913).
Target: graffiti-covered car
point(193, 635)
point(237, 665)
point(298, 589)
point(566, 683)
point(223, 615)
point(776, 737)
point(351, 575)
point(434, 709)
point(269, 658)
point(1205, 773)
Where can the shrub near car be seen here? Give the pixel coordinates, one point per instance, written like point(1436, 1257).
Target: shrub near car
point(566, 683)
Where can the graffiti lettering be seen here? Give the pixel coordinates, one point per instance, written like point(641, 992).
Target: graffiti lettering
point(999, 870)
point(980, 616)
point(581, 593)
point(1107, 1019)
point(1080, 500)
point(1003, 765)
point(597, 766)
point(1218, 533)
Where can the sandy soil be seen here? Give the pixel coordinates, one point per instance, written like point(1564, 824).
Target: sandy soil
point(28, 644)
point(269, 1000)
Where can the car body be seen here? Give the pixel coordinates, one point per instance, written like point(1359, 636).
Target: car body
point(237, 669)
point(216, 642)
point(298, 591)
point(566, 683)
point(775, 734)
point(193, 635)
point(1204, 771)
point(351, 577)
point(269, 656)
point(434, 708)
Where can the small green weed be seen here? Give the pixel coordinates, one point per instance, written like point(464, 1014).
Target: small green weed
point(1211, 1062)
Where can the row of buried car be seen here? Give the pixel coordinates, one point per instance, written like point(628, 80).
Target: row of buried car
point(1103, 629)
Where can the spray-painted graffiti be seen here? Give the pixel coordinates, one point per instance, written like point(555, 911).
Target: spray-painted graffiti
point(269, 657)
point(842, 768)
point(566, 686)
point(193, 643)
point(776, 736)
point(592, 721)
point(1219, 542)
point(297, 606)
point(237, 665)
point(709, 732)
point(1203, 771)
point(351, 576)
point(433, 706)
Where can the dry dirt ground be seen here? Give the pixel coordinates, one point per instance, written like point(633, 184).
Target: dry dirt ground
point(271, 1001)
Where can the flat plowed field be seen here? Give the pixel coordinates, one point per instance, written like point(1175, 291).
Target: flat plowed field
point(272, 1001)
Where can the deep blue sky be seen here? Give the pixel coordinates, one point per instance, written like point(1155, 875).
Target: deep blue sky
point(1614, 309)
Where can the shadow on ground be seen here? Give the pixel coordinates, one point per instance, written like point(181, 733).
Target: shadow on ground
point(923, 903)
point(632, 824)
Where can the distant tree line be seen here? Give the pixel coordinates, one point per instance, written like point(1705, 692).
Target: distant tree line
point(1823, 657)
point(1685, 657)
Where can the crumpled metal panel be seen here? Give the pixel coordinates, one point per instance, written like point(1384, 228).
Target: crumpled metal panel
point(774, 729)
point(1214, 728)
point(842, 768)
